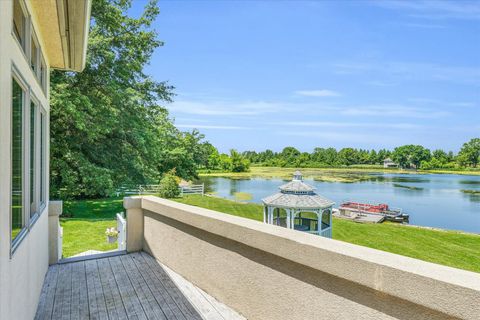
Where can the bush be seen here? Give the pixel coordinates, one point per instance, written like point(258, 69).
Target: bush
point(169, 186)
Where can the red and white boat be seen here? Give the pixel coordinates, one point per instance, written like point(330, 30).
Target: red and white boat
point(391, 214)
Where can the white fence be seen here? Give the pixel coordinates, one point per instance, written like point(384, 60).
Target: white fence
point(147, 189)
point(193, 189)
point(122, 232)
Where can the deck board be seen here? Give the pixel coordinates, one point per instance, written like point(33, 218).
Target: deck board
point(130, 286)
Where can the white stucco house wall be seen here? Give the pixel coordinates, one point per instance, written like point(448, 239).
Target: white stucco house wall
point(35, 36)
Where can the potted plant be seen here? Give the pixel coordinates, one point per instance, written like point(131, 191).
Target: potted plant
point(112, 235)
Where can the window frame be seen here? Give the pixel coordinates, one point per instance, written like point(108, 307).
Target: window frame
point(43, 72)
point(25, 47)
point(40, 133)
point(42, 173)
point(32, 218)
point(15, 242)
point(34, 41)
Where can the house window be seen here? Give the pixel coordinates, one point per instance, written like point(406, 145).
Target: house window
point(42, 157)
point(43, 74)
point(34, 54)
point(19, 23)
point(17, 216)
point(33, 158)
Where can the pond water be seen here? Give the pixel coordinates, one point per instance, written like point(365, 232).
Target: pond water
point(434, 200)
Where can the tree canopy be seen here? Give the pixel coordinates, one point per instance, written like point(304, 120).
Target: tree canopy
point(108, 124)
point(407, 156)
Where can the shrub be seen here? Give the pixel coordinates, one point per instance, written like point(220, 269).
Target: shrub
point(169, 186)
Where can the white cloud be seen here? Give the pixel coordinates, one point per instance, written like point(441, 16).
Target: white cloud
point(205, 126)
point(226, 108)
point(358, 124)
point(394, 71)
point(338, 136)
point(439, 102)
point(318, 93)
point(394, 111)
point(428, 9)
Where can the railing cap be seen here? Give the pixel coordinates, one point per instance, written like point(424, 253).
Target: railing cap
point(55, 208)
point(132, 202)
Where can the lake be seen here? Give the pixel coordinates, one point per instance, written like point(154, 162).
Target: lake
point(434, 200)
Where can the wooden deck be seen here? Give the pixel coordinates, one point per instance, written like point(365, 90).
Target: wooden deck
point(131, 286)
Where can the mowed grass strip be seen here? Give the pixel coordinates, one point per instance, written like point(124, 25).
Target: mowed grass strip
point(84, 223)
point(450, 248)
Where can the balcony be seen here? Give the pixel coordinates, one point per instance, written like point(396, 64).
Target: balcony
point(192, 263)
point(128, 286)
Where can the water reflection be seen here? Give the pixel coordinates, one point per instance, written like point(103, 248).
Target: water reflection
point(430, 199)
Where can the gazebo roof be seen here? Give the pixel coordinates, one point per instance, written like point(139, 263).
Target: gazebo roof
point(297, 201)
point(297, 194)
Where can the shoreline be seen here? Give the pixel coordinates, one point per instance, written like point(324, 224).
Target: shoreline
point(259, 170)
point(386, 222)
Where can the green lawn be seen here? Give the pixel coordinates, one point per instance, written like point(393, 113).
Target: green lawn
point(455, 249)
point(84, 223)
point(88, 219)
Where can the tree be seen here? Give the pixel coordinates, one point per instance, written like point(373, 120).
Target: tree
point(238, 162)
point(348, 156)
point(410, 155)
point(107, 125)
point(469, 155)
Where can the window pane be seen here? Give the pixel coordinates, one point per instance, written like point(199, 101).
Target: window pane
point(42, 73)
point(42, 158)
point(17, 159)
point(33, 189)
point(19, 23)
point(33, 56)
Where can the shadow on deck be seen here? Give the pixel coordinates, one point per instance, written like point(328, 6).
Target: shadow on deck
point(130, 286)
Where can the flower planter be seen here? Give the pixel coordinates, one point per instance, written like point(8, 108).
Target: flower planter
point(111, 239)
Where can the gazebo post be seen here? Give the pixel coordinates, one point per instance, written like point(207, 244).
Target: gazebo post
point(264, 214)
point(330, 218)
point(292, 216)
point(288, 219)
point(319, 223)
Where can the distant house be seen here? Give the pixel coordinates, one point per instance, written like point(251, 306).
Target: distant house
point(388, 163)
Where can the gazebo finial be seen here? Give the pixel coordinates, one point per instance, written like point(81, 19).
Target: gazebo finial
point(297, 175)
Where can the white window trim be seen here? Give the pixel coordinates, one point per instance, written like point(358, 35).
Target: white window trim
point(25, 48)
point(14, 243)
point(29, 34)
point(29, 221)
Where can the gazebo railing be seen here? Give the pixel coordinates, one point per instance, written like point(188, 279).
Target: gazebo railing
point(309, 225)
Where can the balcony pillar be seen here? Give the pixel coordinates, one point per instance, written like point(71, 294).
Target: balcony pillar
point(134, 215)
point(55, 232)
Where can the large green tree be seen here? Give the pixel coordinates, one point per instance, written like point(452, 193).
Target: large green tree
point(470, 153)
point(410, 155)
point(108, 127)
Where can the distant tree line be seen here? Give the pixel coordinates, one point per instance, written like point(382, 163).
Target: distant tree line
point(407, 156)
point(212, 160)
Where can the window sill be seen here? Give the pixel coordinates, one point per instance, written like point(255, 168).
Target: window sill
point(18, 240)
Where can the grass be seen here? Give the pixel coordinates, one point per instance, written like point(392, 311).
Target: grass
point(84, 223)
point(450, 248)
point(83, 235)
point(344, 174)
point(84, 229)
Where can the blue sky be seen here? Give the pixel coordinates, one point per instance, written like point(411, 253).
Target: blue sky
point(253, 75)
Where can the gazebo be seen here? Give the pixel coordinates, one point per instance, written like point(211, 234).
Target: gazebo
point(296, 198)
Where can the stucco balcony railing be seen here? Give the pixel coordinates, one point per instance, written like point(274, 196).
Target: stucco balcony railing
point(268, 272)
